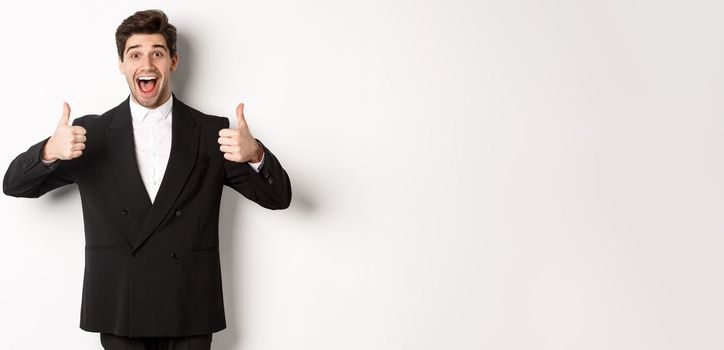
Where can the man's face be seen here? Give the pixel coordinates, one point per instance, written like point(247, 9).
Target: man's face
point(147, 65)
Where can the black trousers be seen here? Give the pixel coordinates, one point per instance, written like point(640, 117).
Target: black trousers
point(116, 342)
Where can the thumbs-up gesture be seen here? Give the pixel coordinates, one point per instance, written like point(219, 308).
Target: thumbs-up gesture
point(237, 144)
point(68, 141)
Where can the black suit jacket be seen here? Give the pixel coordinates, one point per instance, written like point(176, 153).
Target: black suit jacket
point(151, 269)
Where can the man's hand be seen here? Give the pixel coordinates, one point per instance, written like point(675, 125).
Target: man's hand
point(237, 144)
point(68, 141)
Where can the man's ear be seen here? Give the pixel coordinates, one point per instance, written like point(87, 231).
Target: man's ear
point(120, 66)
point(174, 61)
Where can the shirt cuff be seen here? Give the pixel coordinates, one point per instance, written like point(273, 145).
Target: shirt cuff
point(51, 163)
point(258, 164)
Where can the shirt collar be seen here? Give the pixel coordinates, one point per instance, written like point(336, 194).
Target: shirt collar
point(139, 113)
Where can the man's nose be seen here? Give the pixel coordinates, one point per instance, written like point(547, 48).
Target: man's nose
point(146, 61)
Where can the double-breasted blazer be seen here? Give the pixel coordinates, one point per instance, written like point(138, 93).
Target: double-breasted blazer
point(151, 269)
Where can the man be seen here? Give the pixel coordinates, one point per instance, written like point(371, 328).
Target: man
point(150, 174)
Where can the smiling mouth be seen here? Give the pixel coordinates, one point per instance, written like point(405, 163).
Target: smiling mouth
point(146, 84)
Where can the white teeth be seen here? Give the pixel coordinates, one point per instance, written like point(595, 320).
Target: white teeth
point(146, 78)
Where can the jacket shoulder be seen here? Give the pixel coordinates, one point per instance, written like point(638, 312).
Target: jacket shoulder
point(95, 120)
point(207, 119)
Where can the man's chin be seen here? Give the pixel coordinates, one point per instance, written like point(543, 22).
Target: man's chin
point(147, 101)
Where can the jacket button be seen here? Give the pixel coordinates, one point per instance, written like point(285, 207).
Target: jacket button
point(269, 180)
point(135, 254)
point(175, 255)
point(178, 212)
point(124, 211)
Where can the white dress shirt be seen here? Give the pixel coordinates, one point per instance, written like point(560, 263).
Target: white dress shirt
point(152, 137)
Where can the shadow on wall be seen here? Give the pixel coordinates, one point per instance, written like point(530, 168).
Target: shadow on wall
point(60, 195)
point(182, 77)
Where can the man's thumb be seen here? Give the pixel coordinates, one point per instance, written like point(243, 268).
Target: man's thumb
point(64, 119)
point(240, 114)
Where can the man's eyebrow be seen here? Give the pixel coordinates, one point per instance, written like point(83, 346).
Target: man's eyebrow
point(154, 45)
point(161, 46)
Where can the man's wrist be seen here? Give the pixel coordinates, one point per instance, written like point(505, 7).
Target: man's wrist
point(259, 154)
point(47, 159)
point(45, 155)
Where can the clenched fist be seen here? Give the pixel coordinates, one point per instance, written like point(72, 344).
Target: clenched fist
point(67, 142)
point(237, 144)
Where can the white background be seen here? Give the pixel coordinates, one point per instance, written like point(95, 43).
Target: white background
point(467, 174)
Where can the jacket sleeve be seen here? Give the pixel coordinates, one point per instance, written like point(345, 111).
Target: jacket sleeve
point(27, 176)
point(270, 187)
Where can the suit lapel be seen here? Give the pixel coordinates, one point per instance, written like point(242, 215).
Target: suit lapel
point(184, 148)
point(121, 150)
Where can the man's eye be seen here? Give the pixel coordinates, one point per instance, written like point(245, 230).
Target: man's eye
point(157, 54)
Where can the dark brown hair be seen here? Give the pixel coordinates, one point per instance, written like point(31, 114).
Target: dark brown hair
point(146, 22)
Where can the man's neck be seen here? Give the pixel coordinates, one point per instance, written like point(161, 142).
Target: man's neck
point(133, 99)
